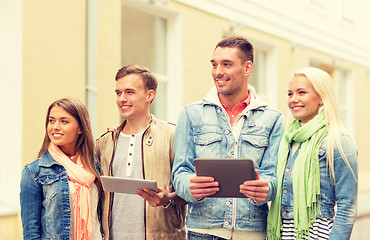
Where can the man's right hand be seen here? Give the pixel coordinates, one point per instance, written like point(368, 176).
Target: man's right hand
point(201, 187)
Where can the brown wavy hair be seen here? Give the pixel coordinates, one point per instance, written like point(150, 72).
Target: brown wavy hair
point(85, 144)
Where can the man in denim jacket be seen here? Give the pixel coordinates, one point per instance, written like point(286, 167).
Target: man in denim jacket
point(230, 122)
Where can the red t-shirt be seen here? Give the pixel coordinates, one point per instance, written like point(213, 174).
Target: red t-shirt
point(237, 109)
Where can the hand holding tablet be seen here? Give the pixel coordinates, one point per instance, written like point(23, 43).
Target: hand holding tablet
point(127, 185)
point(230, 173)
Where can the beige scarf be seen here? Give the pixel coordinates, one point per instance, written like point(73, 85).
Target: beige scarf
point(82, 179)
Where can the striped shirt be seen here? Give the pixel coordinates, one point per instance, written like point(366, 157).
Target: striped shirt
point(319, 230)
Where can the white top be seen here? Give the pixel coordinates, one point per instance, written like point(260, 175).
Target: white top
point(94, 199)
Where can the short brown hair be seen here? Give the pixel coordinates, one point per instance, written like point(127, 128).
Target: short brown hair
point(150, 82)
point(238, 42)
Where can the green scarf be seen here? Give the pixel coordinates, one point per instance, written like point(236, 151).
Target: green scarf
point(306, 176)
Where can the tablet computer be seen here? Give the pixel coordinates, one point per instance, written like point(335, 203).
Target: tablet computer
point(230, 173)
point(126, 185)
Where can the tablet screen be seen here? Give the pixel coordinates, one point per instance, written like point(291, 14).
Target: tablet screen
point(229, 172)
point(126, 185)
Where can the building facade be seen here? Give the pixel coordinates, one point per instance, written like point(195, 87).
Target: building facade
point(55, 49)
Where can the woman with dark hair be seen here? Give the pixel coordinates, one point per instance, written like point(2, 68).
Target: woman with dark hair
point(61, 188)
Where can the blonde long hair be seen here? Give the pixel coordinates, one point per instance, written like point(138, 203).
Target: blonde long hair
point(324, 86)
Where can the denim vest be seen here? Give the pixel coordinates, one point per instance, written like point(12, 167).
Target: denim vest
point(44, 198)
point(343, 193)
point(203, 130)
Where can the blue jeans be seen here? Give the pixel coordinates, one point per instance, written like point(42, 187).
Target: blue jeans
point(202, 236)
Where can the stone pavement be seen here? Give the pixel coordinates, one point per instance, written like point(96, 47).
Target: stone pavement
point(361, 229)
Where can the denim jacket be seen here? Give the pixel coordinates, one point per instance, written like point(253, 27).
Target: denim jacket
point(342, 193)
point(45, 201)
point(204, 130)
point(44, 197)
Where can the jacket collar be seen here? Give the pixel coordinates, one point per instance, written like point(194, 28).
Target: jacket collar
point(255, 103)
point(120, 128)
point(46, 160)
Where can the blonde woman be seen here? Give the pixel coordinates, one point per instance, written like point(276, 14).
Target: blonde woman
point(317, 166)
point(60, 189)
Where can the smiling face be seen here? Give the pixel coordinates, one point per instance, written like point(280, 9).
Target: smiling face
point(230, 74)
point(303, 100)
point(63, 130)
point(133, 99)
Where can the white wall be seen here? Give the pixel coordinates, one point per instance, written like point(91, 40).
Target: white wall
point(10, 104)
point(316, 24)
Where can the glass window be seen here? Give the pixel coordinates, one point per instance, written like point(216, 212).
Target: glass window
point(144, 42)
point(263, 77)
point(258, 77)
point(345, 99)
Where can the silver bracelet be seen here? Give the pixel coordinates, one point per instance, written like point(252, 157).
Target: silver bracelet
point(170, 203)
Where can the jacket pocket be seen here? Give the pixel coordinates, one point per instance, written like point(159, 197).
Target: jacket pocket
point(249, 211)
point(253, 147)
point(47, 179)
point(258, 141)
point(207, 140)
point(49, 184)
